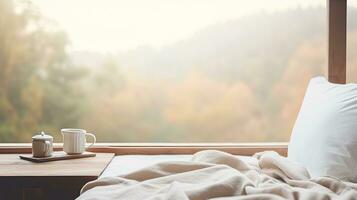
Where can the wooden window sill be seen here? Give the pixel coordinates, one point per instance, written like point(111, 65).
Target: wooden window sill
point(246, 149)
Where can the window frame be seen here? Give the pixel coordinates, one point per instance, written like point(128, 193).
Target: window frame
point(337, 20)
point(337, 38)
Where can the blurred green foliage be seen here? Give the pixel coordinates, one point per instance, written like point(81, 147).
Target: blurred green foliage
point(38, 85)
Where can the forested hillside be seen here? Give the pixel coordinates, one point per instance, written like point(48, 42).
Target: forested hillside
point(237, 81)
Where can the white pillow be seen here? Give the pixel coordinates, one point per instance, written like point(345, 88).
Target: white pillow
point(324, 137)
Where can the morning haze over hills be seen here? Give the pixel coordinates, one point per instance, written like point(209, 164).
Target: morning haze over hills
point(248, 59)
point(228, 44)
point(238, 81)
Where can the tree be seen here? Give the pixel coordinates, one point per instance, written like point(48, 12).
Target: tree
point(38, 84)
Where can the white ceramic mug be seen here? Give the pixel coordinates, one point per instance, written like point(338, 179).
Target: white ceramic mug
point(74, 140)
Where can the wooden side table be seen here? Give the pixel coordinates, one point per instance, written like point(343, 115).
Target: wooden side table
point(23, 180)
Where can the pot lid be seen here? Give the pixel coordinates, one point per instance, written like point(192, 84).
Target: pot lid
point(42, 136)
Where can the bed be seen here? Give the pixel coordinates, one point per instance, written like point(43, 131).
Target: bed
point(321, 162)
point(212, 175)
point(125, 164)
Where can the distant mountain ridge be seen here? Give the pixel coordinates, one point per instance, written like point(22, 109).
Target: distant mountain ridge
point(226, 51)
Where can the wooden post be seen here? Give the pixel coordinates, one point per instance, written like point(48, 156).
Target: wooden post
point(337, 17)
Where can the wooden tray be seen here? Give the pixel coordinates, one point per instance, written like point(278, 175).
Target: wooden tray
point(59, 155)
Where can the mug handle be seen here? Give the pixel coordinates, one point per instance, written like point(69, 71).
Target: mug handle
point(94, 139)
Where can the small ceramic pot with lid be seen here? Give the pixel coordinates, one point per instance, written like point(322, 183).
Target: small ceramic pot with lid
point(42, 145)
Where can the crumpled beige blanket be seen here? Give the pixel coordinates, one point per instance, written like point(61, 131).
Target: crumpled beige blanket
point(218, 175)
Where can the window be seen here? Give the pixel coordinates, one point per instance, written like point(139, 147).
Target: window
point(158, 71)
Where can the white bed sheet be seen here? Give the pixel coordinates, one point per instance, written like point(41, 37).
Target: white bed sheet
point(128, 163)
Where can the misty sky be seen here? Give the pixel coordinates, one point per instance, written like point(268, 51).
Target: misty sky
point(120, 25)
